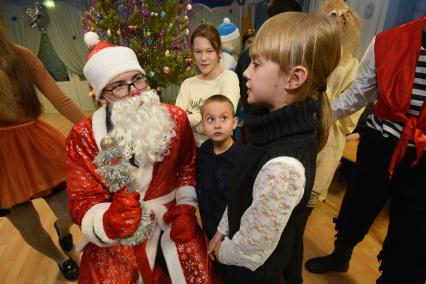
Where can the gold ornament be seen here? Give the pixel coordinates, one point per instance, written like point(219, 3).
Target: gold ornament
point(108, 142)
point(148, 33)
point(187, 31)
point(167, 53)
point(189, 7)
point(118, 32)
point(166, 69)
point(109, 32)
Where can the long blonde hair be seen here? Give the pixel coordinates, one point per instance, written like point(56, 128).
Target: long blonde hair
point(310, 40)
point(350, 23)
point(12, 67)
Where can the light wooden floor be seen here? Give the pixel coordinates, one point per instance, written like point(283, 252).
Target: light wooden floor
point(21, 264)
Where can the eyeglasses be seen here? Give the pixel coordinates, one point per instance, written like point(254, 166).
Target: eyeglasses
point(123, 89)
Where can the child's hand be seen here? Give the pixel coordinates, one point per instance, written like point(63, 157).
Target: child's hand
point(216, 241)
point(217, 250)
point(352, 137)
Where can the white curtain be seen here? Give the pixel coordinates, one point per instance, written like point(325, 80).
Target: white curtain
point(17, 24)
point(65, 32)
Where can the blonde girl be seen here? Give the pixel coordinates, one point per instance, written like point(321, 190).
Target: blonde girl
point(260, 236)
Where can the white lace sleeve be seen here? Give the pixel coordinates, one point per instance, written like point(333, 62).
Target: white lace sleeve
point(277, 190)
point(223, 227)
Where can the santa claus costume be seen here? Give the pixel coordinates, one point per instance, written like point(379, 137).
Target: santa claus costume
point(159, 150)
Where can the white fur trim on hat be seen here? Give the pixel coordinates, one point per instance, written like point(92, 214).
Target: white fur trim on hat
point(91, 39)
point(108, 63)
point(230, 37)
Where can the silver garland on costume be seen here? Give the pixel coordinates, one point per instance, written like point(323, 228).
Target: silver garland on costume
point(113, 167)
point(144, 230)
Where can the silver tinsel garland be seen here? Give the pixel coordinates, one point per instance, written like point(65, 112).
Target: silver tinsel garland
point(113, 167)
point(144, 230)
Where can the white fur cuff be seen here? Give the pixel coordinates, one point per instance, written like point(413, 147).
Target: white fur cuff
point(186, 195)
point(92, 225)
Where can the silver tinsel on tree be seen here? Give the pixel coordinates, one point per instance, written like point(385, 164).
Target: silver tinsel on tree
point(38, 17)
point(113, 167)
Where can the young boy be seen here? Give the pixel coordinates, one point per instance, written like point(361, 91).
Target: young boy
point(216, 160)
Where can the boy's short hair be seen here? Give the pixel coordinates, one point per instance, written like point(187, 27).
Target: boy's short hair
point(217, 98)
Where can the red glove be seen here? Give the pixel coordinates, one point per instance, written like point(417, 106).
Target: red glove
point(123, 215)
point(184, 222)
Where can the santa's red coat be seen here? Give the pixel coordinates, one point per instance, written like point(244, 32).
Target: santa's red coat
point(167, 183)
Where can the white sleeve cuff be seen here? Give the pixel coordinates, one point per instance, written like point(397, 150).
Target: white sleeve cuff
point(186, 195)
point(223, 226)
point(92, 225)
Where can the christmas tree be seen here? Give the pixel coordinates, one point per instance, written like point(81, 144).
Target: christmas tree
point(156, 30)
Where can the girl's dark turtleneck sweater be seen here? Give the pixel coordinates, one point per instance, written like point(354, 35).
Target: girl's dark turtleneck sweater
point(291, 132)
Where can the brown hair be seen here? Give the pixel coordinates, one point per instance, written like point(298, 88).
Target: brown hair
point(217, 98)
point(209, 32)
point(308, 40)
point(248, 34)
point(12, 67)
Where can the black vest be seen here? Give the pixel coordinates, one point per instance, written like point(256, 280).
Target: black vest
point(289, 131)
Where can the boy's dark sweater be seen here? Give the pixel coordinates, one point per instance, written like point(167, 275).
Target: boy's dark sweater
point(213, 177)
point(289, 131)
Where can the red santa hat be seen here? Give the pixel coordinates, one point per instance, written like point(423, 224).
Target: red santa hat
point(106, 61)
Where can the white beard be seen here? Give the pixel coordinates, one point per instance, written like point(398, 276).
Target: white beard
point(143, 127)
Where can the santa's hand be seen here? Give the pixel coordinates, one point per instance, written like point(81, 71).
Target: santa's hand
point(184, 222)
point(123, 215)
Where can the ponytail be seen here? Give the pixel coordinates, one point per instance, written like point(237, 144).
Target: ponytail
point(325, 118)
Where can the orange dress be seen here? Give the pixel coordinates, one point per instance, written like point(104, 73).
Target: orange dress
point(31, 151)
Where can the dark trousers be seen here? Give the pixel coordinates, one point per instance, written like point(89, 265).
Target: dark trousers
point(403, 256)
